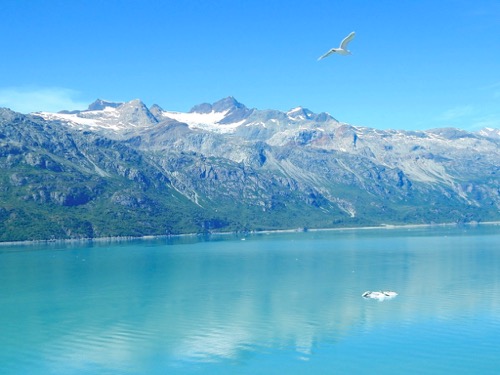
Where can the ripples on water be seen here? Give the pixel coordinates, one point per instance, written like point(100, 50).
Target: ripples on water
point(280, 303)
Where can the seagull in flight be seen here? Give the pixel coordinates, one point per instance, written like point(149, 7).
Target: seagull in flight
point(342, 50)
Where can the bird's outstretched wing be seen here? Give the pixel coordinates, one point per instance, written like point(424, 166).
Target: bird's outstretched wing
point(327, 54)
point(343, 46)
point(347, 39)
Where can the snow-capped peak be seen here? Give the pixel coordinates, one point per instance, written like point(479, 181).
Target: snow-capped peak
point(100, 104)
point(223, 116)
point(223, 105)
point(211, 121)
point(489, 132)
point(106, 115)
point(299, 113)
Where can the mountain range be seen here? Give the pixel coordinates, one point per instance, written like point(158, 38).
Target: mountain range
point(123, 169)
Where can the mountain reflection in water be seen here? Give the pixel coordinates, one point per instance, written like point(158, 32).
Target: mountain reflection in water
point(122, 307)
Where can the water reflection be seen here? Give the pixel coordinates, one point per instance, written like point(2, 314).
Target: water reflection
point(123, 308)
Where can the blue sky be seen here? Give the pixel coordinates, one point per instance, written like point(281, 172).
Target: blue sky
point(415, 64)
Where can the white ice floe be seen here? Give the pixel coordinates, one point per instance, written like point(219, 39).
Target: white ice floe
point(381, 296)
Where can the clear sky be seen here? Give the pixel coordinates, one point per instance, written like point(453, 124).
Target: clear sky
point(415, 64)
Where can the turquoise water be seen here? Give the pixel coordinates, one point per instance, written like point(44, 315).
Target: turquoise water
point(271, 304)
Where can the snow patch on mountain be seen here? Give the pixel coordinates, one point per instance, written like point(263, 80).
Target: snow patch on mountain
point(489, 132)
point(299, 113)
point(76, 121)
point(206, 121)
point(108, 116)
point(106, 119)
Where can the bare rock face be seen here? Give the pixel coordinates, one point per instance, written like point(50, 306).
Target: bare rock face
point(135, 112)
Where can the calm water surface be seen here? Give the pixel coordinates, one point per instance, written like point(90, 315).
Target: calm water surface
point(272, 304)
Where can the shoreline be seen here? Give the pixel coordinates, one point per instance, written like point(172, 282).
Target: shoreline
point(243, 234)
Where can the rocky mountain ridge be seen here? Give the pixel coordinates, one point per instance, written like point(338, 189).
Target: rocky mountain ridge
point(126, 169)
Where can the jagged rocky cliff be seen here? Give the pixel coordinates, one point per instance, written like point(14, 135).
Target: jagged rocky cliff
point(120, 169)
